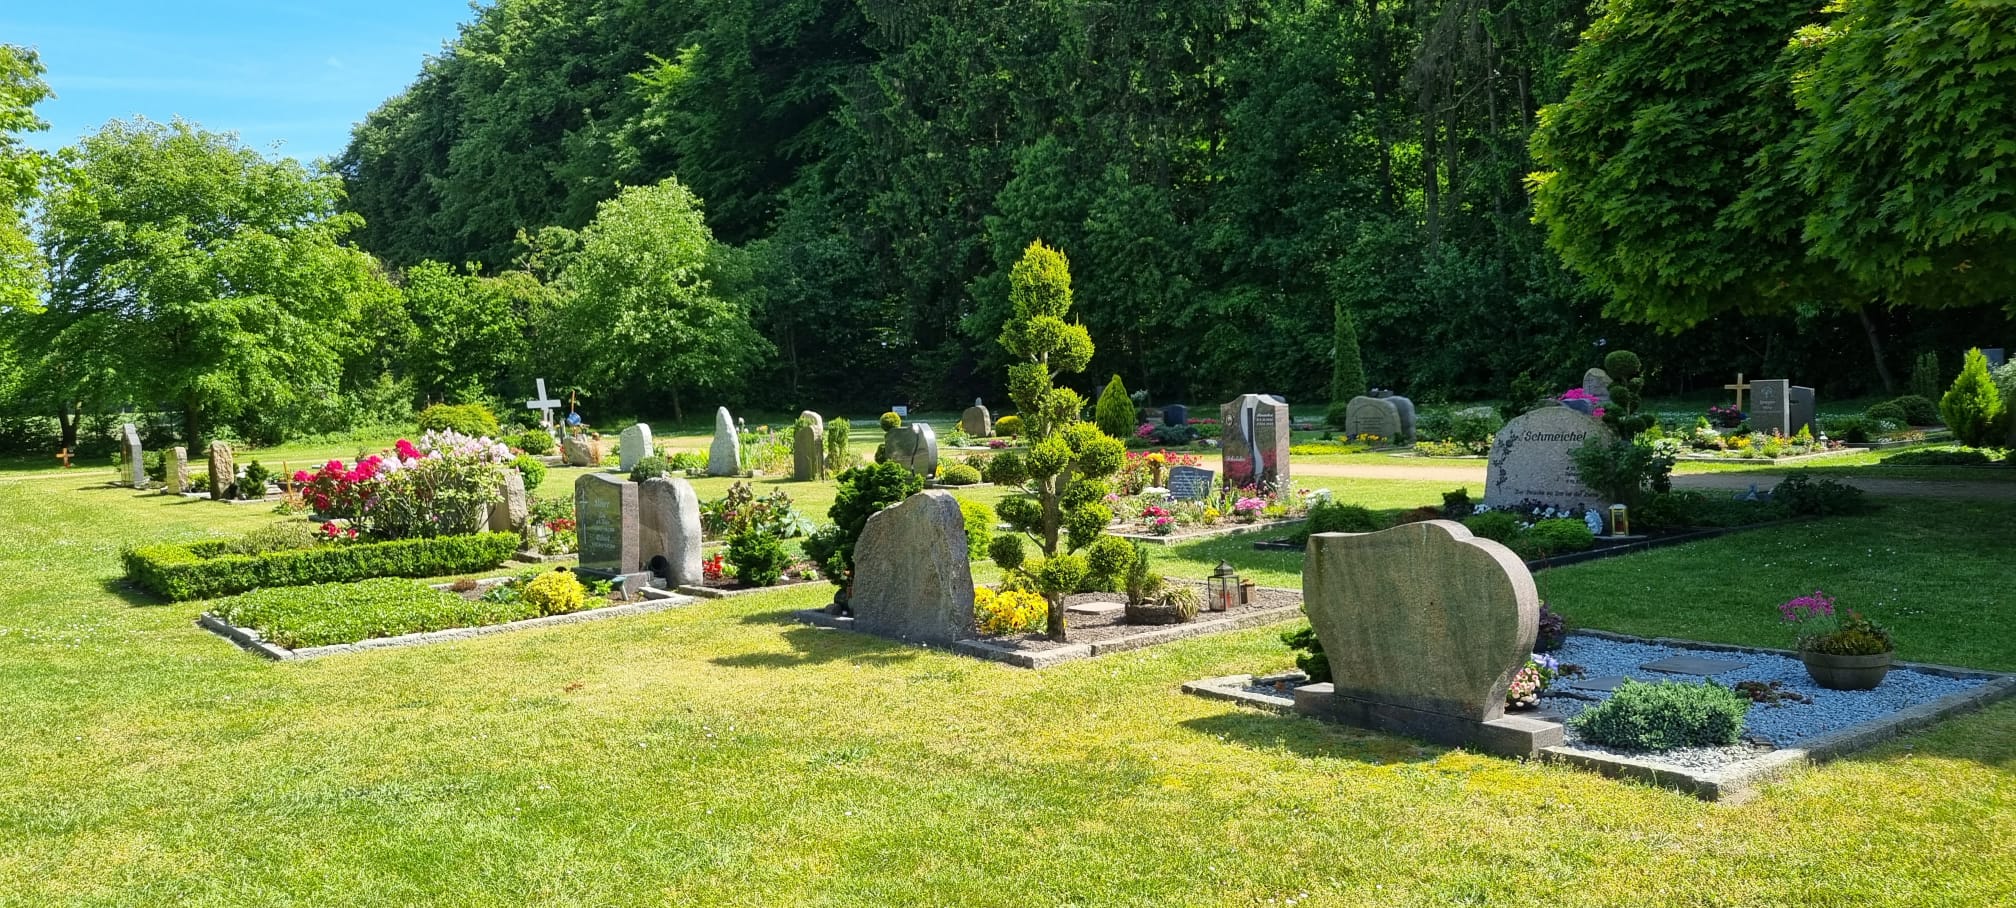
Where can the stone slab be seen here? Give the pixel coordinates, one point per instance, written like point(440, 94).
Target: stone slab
point(607, 524)
point(1694, 665)
point(913, 579)
point(1253, 442)
point(1372, 416)
point(1604, 683)
point(1511, 736)
point(1095, 608)
point(724, 455)
point(632, 446)
point(1771, 405)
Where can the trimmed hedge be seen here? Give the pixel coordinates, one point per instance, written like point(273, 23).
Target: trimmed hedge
point(204, 570)
point(299, 617)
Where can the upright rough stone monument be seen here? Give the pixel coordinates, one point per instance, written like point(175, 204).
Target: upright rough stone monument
point(1532, 459)
point(977, 421)
point(606, 525)
point(724, 457)
point(1372, 416)
point(915, 446)
point(912, 576)
point(581, 451)
point(512, 507)
point(1424, 626)
point(136, 459)
point(634, 445)
point(670, 529)
point(817, 421)
point(808, 453)
point(1597, 383)
point(223, 471)
point(1254, 443)
point(177, 473)
point(1771, 406)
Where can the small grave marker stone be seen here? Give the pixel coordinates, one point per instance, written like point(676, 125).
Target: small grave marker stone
point(1189, 483)
point(136, 459)
point(177, 474)
point(1802, 410)
point(1596, 383)
point(632, 446)
point(724, 457)
point(223, 471)
point(977, 421)
point(1175, 415)
point(808, 453)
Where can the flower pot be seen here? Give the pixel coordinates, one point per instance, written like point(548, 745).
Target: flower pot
point(1847, 672)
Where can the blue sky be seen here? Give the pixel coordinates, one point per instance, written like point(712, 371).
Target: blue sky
point(299, 74)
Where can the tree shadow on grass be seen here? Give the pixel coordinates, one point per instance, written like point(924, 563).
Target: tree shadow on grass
point(134, 596)
point(815, 646)
point(1312, 738)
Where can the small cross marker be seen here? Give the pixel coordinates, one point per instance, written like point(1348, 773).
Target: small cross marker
point(543, 404)
point(1739, 387)
point(64, 455)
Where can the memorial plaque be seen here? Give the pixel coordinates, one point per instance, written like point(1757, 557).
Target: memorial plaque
point(1771, 406)
point(1190, 483)
point(1533, 458)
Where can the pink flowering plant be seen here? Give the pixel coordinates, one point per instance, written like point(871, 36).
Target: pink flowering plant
point(1579, 394)
point(1533, 678)
point(439, 486)
point(1826, 628)
point(1249, 507)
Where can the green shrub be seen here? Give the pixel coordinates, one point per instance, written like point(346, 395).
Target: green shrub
point(555, 593)
point(1662, 716)
point(328, 614)
point(1554, 537)
point(1974, 408)
point(890, 422)
point(253, 486)
point(862, 491)
point(1800, 495)
point(686, 462)
point(651, 468)
point(837, 453)
point(1107, 560)
point(1335, 415)
point(758, 557)
point(1925, 380)
point(979, 520)
point(1888, 411)
point(1498, 526)
point(468, 419)
point(1309, 655)
point(1327, 516)
point(204, 570)
point(1457, 505)
point(1115, 413)
point(1475, 426)
point(1917, 411)
point(1626, 471)
point(958, 474)
point(1672, 510)
point(285, 536)
point(1940, 457)
point(532, 469)
point(1008, 426)
point(533, 441)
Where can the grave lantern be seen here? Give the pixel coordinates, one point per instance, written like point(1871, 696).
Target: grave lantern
point(1222, 587)
point(1620, 520)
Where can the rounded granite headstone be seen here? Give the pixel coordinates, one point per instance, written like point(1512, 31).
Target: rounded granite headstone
point(1597, 383)
point(1405, 408)
point(634, 445)
point(977, 421)
point(1372, 416)
point(1533, 459)
point(724, 457)
point(669, 529)
point(915, 446)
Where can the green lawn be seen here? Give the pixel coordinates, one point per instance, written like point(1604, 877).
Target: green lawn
point(720, 755)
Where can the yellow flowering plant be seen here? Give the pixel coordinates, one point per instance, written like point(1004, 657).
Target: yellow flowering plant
point(1008, 612)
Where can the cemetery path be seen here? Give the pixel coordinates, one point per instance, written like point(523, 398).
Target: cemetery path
point(1733, 481)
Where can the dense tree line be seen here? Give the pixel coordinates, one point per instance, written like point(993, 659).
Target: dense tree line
point(819, 202)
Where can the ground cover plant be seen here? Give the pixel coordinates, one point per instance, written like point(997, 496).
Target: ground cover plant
point(301, 616)
point(583, 763)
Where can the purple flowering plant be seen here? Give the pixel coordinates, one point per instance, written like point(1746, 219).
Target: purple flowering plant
point(1826, 628)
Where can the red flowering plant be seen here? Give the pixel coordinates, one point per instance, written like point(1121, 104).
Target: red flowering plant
point(440, 486)
point(343, 493)
point(710, 568)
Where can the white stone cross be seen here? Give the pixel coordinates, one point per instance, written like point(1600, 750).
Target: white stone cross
point(543, 404)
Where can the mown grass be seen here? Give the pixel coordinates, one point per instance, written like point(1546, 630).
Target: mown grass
point(720, 755)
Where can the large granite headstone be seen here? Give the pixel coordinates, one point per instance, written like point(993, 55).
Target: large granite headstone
point(1533, 458)
point(177, 474)
point(1597, 383)
point(1771, 406)
point(223, 471)
point(1372, 416)
point(1175, 416)
point(1405, 407)
point(1254, 442)
point(1189, 483)
point(509, 512)
point(606, 525)
point(581, 451)
point(912, 577)
point(915, 446)
point(670, 529)
point(1425, 626)
point(724, 457)
point(977, 421)
point(808, 453)
point(1801, 406)
point(136, 459)
point(634, 445)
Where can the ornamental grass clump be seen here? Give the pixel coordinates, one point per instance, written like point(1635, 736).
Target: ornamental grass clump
point(1665, 715)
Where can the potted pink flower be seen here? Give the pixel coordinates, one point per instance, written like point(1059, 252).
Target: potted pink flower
point(1842, 649)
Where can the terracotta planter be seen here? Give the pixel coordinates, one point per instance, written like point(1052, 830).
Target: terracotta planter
point(1847, 672)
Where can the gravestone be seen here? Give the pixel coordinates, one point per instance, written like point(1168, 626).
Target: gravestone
point(976, 421)
point(1596, 383)
point(1425, 626)
point(1581, 405)
point(1532, 457)
point(724, 457)
point(223, 471)
point(1254, 443)
point(632, 446)
point(1405, 407)
point(1771, 406)
point(670, 529)
point(1189, 483)
point(808, 453)
point(1996, 356)
point(177, 474)
point(509, 512)
point(581, 451)
point(1372, 416)
point(606, 526)
point(1801, 407)
point(136, 459)
point(915, 446)
point(818, 422)
point(1175, 415)
point(912, 579)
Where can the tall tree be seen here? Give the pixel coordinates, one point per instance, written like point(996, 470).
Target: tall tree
point(21, 88)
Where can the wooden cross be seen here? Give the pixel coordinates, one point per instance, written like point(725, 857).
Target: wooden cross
point(64, 455)
point(1739, 387)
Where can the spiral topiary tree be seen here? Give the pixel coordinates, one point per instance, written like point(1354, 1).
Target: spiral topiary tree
point(1063, 474)
point(1627, 394)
